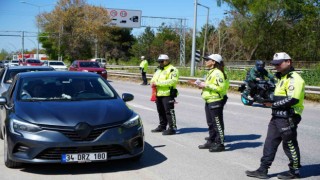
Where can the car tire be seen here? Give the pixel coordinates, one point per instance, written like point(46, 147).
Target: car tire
point(7, 161)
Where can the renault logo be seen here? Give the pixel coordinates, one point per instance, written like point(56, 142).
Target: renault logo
point(83, 130)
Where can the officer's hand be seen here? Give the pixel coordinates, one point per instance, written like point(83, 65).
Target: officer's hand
point(201, 85)
point(258, 79)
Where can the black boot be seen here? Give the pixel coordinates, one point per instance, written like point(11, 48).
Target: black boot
point(259, 173)
point(217, 148)
point(289, 175)
point(169, 131)
point(158, 129)
point(206, 145)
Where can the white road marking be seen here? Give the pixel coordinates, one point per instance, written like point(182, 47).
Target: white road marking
point(141, 107)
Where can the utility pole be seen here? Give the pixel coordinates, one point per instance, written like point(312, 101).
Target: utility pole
point(22, 50)
point(194, 38)
point(205, 33)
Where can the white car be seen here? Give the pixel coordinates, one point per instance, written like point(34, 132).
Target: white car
point(14, 63)
point(57, 65)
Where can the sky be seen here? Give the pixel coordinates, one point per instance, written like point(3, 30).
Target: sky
point(16, 17)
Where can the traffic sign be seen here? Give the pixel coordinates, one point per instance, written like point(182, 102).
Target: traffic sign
point(125, 18)
point(197, 58)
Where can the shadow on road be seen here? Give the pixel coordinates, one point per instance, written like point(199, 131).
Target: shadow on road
point(307, 171)
point(231, 138)
point(150, 157)
point(191, 130)
point(242, 145)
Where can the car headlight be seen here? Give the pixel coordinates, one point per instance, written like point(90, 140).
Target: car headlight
point(132, 122)
point(17, 126)
point(85, 71)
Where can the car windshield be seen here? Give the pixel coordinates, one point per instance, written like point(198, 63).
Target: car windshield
point(64, 89)
point(12, 72)
point(56, 63)
point(33, 61)
point(89, 64)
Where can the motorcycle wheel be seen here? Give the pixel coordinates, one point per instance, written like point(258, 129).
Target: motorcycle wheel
point(246, 101)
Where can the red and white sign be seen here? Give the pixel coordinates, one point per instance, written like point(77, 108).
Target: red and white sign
point(113, 13)
point(125, 18)
point(123, 13)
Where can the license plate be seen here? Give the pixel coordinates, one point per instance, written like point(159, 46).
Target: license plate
point(84, 157)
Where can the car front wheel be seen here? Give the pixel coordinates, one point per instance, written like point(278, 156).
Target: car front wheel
point(7, 161)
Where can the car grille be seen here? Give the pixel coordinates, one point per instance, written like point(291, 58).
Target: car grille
point(74, 136)
point(55, 153)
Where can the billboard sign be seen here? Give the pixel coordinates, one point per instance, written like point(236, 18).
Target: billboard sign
point(125, 18)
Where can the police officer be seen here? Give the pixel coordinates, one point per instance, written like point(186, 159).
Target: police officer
point(257, 73)
point(143, 68)
point(165, 80)
point(214, 93)
point(286, 115)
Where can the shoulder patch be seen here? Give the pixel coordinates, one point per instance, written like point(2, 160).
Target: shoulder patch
point(291, 88)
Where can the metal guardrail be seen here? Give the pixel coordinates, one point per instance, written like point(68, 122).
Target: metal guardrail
point(183, 79)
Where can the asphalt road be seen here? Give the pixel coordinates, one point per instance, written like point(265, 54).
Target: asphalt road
point(178, 157)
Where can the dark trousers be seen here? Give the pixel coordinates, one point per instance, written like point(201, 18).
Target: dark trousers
point(214, 116)
point(285, 130)
point(165, 107)
point(144, 78)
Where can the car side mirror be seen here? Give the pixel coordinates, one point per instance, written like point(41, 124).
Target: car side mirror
point(3, 100)
point(127, 97)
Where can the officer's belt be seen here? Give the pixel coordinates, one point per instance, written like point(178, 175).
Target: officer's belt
point(283, 113)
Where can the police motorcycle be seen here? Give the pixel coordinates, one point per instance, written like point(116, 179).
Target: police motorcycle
point(264, 92)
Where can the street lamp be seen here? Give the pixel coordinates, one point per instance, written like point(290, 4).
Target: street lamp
point(38, 6)
point(205, 33)
point(37, 23)
point(194, 38)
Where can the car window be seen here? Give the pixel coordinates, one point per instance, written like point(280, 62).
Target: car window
point(56, 63)
point(33, 61)
point(89, 64)
point(12, 72)
point(64, 89)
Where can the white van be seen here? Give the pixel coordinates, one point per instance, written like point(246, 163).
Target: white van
point(101, 61)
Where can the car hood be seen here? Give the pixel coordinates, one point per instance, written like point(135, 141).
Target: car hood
point(95, 112)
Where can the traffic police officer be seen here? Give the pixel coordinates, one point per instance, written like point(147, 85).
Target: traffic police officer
point(286, 115)
point(143, 68)
point(214, 93)
point(165, 80)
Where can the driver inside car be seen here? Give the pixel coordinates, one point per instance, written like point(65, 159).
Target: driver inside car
point(257, 73)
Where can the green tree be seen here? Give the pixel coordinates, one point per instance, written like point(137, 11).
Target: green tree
point(74, 25)
point(143, 44)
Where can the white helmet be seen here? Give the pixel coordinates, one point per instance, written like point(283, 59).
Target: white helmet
point(163, 57)
point(142, 57)
point(278, 58)
point(215, 57)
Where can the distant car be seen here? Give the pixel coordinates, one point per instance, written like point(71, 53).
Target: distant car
point(14, 63)
point(67, 117)
point(57, 65)
point(88, 66)
point(31, 62)
point(4, 63)
point(7, 74)
point(102, 62)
